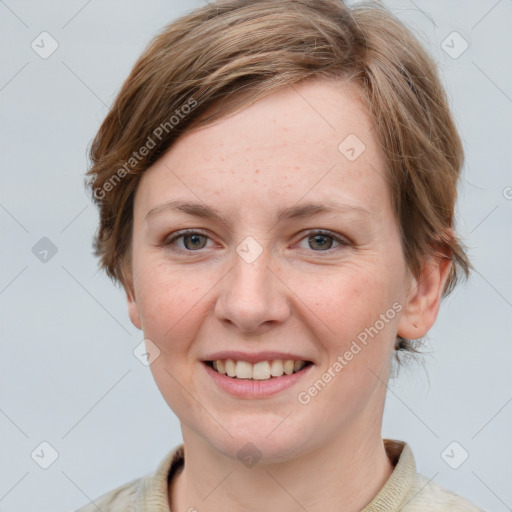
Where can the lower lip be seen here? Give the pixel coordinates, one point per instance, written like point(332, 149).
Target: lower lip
point(250, 388)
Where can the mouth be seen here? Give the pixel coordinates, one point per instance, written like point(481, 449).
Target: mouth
point(263, 370)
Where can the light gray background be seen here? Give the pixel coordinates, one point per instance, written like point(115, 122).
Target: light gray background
point(68, 375)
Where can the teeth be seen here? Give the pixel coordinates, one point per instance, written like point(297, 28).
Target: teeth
point(297, 365)
point(243, 370)
point(276, 368)
point(230, 367)
point(288, 367)
point(263, 370)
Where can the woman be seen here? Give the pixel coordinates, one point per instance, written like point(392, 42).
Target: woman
point(276, 184)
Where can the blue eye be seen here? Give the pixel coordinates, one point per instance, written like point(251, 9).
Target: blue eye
point(320, 239)
point(188, 235)
point(194, 241)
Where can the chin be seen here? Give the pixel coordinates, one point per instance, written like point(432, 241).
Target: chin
point(258, 442)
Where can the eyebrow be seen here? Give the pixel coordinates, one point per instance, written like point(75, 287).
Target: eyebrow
point(292, 212)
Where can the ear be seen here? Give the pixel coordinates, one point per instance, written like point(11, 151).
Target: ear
point(424, 298)
point(133, 308)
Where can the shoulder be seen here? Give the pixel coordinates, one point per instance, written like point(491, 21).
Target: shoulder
point(147, 493)
point(120, 499)
point(425, 494)
point(406, 490)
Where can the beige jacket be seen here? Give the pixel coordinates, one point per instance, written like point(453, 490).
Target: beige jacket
point(405, 490)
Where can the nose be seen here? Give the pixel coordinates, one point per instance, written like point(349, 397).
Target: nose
point(253, 296)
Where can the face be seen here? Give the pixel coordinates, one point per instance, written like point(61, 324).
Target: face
point(269, 275)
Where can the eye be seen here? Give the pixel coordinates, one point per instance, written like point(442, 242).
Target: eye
point(322, 241)
point(192, 240)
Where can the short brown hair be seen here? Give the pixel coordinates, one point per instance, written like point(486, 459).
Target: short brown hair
point(230, 47)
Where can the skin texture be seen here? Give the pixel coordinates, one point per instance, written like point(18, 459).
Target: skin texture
point(301, 296)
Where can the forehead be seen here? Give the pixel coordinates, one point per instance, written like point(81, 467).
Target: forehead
point(293, 118)
point(311, 139)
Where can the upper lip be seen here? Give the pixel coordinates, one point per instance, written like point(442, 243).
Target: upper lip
point(255, 357)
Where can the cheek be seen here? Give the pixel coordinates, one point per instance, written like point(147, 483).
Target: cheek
point(359, 343)
point(353, 298)
point(361, 312)
point(169, 305)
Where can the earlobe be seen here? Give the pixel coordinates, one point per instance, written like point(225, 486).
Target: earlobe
point(133, 311)
point(424, 298)
point(133, 308)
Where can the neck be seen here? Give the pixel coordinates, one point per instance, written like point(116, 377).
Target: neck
point(345, 474)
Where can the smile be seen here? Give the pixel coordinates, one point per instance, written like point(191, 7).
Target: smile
point(256, 380)
point(263, 370)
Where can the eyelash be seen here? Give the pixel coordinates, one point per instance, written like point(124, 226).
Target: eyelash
point(180, 234)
